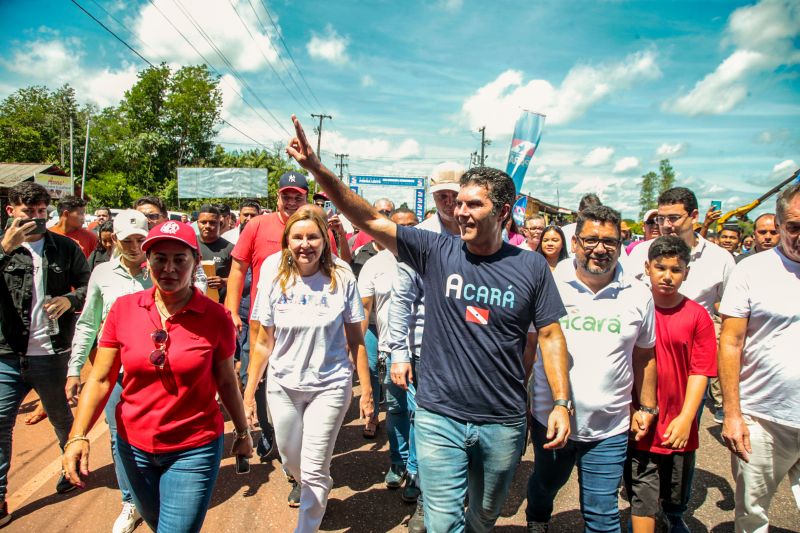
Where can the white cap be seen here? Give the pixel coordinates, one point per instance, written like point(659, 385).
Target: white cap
point(446, 176)
point(130, 222)
point(649, 214)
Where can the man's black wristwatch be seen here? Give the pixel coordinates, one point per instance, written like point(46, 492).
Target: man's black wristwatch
point(567, 404)
point(649, 410)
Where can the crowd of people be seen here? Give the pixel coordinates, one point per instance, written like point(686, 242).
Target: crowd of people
point(473, 332)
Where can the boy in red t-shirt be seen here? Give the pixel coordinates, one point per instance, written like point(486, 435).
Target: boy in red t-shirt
point(660, 467)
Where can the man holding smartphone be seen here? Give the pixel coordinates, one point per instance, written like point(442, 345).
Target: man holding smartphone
point(43, 281)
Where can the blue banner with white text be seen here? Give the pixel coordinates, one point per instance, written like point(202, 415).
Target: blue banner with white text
point(527, 133)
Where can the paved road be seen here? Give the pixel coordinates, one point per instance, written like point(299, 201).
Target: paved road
point(359, 502)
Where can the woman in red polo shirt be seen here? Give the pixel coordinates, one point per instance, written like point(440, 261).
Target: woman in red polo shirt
point(176, 346)
point(305, 305)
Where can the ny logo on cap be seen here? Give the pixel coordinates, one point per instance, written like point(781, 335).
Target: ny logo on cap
point(170, 228)
point(292, 179)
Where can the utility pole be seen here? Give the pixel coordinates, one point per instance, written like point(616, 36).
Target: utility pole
point(319, 131)
point(484, 143)
point(71, 175)
point(341, 165)
point(85, 156)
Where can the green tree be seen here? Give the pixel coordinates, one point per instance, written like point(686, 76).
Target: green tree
point(666, 176)
point(647, 193)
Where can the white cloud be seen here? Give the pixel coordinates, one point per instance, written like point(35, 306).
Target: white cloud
point(763, 36)
point(219, 22)
point(670, 150)
point(784, 168)
point(626, 164)
point(330, 46)
point(367, 80)
point(497, 104)
point(451, 5)
point(54, 61)
point(334, 141)
point(597, 157)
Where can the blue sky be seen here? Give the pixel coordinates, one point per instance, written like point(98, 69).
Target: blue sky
point(711, 85)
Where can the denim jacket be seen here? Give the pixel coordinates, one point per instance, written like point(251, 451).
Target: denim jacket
point(66, 274)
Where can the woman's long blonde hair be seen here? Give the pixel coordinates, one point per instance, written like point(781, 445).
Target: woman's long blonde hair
point(287, 268)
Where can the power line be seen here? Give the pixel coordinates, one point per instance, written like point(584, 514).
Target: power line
point(291, 93)
point(289, 53)
point(319, 130)
point(120, 39)
point(225, 60)
point(211, 66)
point(280, 56)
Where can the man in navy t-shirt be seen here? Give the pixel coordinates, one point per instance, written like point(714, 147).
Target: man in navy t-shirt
point(482, 295)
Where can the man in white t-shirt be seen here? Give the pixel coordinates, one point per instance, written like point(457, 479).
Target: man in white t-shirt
point(709, 267)
point(610, 333)
point(43, 279)
point(248, 209)
point(588, 200)
point(375, 287)
point(759, 370)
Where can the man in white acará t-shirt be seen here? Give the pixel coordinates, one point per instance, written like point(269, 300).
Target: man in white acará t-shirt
point(44, 279)
point(759, 370)
point(375, 287)
point(610, 333)
point(588, 200)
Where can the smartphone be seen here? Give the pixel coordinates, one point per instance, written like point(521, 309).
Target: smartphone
point(329, 208)
point(716, 205)
point(40, 229)
point(242, 464)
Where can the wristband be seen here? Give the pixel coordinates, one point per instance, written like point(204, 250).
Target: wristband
point(649, 410)
point(74, 439)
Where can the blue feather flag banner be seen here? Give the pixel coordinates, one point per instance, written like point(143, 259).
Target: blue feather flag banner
point(527, 134)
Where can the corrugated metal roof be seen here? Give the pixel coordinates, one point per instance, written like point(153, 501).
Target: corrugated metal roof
point(13, 173)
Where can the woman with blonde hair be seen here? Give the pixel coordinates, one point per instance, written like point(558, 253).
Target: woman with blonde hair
point(309, 313)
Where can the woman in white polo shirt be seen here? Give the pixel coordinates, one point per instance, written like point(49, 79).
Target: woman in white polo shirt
point(306, 303)
point(123, 274)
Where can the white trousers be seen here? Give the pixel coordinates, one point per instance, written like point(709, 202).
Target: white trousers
point(306, 426)
point(776, 453)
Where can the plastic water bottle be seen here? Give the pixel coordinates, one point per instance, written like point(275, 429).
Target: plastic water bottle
point(52, 323)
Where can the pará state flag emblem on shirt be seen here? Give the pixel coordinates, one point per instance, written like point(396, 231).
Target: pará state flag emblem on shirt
point(477, 315)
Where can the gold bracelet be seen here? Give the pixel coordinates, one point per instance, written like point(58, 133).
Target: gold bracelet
point(76, 438)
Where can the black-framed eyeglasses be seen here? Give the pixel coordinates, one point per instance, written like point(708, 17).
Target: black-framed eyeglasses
point(159, 356)
point(153, 216)
point(385, 212)
point(590, 243)
point(672, 219)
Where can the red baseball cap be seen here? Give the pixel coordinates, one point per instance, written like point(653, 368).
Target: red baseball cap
point(171, 230)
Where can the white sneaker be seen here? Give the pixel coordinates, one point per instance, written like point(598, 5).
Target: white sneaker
point(127, 519)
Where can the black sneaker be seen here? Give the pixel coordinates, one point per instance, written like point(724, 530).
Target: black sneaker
point(411, 490)
point(64, 486)
point(294, 494)
point(5, 516)
point(417, 522)
point(265, 446)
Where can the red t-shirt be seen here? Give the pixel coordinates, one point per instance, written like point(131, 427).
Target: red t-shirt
point(361, 239)
point(174, 408)
point(260, 239)
point(87, 240)
point(686, 345)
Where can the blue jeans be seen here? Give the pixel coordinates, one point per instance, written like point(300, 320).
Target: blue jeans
point(600, 467)
point(411, 404)
point(172, 490)
point(262, 414)
point(397, 426)
point(371, 344)
point(47, 375)
point(110, 411)
point(456, 458)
